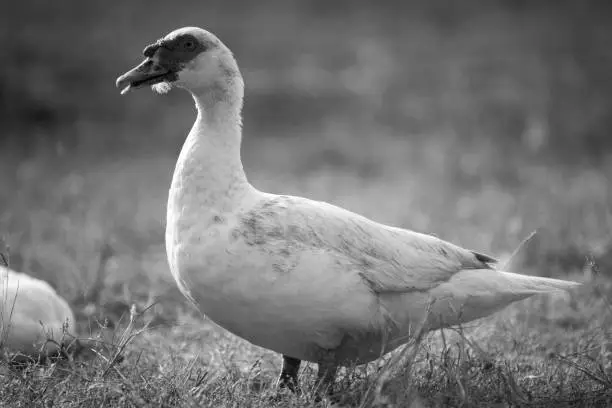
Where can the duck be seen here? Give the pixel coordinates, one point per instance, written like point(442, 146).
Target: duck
point(34, 319)
point(304, 278)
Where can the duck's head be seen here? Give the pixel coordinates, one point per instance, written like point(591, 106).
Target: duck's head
point(190, 58)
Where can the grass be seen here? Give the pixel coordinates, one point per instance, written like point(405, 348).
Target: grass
point(478, 124)
point(100, 225)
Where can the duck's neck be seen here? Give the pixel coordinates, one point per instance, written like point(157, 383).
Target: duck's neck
point(209, 172)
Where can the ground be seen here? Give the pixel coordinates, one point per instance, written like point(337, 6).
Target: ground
point(551, 349)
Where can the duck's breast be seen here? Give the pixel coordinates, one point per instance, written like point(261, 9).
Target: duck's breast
point(294, 300)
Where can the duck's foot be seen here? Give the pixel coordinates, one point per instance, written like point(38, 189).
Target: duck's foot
point(289, 373)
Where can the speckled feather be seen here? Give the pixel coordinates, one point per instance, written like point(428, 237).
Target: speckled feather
point(388, 259)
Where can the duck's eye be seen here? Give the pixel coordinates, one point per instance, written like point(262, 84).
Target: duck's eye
point(189, 45)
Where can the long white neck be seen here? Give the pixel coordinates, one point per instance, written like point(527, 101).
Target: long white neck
point(208, 182)
point(209, 173)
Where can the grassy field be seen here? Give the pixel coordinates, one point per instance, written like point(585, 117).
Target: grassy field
point(475, 124)
point(552, 349)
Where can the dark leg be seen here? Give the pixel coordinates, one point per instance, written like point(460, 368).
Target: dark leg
point(327, 373)
point(289, 373)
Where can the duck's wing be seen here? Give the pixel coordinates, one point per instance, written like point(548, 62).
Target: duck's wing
point(389, 259)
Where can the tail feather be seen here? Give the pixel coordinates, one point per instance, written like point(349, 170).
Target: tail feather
point(476, 293)
point(536, 284)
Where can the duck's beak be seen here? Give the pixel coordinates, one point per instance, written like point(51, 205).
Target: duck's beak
point(149, 72)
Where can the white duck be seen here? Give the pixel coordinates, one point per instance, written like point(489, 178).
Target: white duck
point(31, 314)
point(304, 278)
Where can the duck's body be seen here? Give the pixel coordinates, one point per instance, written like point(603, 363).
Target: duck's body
point(31, 313)
point(302, 277)
point(306, 279)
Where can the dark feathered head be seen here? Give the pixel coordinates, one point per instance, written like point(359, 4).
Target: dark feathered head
point(189, 57)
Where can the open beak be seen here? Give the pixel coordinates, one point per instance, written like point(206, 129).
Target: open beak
point(149, 72)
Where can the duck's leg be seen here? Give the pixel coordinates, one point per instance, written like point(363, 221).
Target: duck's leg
point(327, 373)
point(289, 373)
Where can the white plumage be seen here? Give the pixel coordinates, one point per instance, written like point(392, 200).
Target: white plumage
point(304, 278)
point(31, 313)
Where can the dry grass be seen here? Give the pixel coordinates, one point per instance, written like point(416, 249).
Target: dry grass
point(101, 226)
point(526, 365)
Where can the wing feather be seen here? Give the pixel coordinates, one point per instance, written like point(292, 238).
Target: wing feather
point(389, 259)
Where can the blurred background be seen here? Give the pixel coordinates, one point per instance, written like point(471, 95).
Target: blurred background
point(478, 121)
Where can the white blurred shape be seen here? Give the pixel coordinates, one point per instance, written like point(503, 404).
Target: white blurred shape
point(31, 313)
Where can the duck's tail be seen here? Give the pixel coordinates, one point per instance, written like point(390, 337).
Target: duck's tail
point(475, 293)
point(513, 283)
